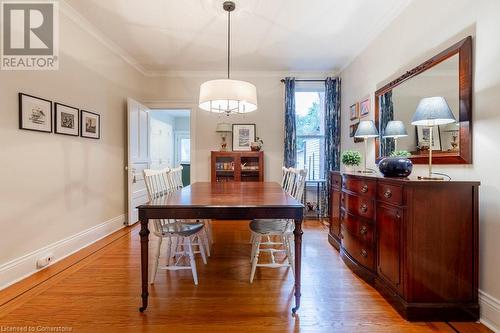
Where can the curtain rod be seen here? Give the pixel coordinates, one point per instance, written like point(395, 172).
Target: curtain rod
point(298, 80)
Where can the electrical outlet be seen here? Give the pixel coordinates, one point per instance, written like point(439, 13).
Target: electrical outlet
point(44, 261)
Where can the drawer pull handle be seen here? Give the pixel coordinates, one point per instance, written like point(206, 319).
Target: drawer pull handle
point(363, 208)
point(364, 254)
point(364, 188)
point(398, 216)
point(363, 230)
point(388, 194)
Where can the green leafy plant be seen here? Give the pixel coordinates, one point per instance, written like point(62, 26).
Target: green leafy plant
point(400, 153)
point(351, 158)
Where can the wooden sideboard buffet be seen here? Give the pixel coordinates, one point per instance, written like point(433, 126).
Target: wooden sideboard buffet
point(415, 241)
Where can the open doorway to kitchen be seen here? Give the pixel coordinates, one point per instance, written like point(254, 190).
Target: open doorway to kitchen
point(170, 140)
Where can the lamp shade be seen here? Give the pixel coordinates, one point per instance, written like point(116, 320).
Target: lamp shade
point(432, 111)
point(366, 129)
point(223, 128)
point(395, 129)
point(228, 96)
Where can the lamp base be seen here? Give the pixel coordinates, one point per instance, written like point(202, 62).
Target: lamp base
point(429, 178)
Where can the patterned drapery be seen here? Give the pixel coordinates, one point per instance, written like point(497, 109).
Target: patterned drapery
point(386, 115)
point(290, 144)
point(332, 131)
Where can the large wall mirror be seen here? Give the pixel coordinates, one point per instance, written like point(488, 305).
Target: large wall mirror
point(447, 75)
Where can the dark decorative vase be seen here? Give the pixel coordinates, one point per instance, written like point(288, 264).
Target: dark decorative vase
point(395, 167)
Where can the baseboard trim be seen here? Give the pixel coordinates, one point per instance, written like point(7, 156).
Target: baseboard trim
point(22, 267)
point(490, 311)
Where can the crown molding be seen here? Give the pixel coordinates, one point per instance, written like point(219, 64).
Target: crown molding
point(82, 22)
point(242, 74)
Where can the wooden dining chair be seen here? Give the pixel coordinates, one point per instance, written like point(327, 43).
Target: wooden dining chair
point(182, 237)
point(264, 230)
point(286, 181)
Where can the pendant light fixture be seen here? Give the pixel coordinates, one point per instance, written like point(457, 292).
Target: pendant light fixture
point(227, 95)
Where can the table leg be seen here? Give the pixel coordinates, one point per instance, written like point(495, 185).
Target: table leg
point(298, 260)
point(144, 233)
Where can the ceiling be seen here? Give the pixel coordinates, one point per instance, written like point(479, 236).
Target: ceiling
point(164, 36)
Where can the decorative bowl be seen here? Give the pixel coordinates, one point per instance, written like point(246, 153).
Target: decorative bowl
point(395, 167)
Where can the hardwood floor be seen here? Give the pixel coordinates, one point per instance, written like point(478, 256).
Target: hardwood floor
point(100, 293)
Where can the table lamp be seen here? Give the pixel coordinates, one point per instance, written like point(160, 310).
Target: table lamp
point(223, 129)
point(366, 129)
point(395, 129)
point(432, 111)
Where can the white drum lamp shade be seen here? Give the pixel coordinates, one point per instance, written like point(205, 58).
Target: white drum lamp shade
point(228, 96)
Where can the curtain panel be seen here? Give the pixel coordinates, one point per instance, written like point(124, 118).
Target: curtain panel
point(290, 144)
point(332, 132)
point(386, 115)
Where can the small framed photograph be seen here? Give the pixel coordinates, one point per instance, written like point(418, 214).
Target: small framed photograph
point(243, 136)
point(66, 120)
point(352, 129)
point(364, 108)
point(35, 113)
point(354, 111)
point(90, 125)
point(423, 137)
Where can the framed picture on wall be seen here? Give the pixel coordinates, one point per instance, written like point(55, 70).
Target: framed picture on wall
point(352, 129)
point(423, 138)
point(90, 125)
point(243, 136)
point(354, 111)
point(35, 113)
point(364, 107)
point(66, 120)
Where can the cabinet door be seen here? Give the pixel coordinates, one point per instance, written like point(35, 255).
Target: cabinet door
point(389, 230)
point(335, 214)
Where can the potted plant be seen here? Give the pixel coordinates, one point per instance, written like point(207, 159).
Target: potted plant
point(351, 159)
point(396, 165)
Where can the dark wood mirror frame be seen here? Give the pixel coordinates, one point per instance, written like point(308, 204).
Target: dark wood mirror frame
point(464, 156)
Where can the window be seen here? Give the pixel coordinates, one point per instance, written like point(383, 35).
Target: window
point(182, 147)
point(310, 122)
point(185, 150)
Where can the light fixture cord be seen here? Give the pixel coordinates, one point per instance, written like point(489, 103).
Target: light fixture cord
point(228, 41)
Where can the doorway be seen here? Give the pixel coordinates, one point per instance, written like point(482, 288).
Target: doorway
point(170, 140)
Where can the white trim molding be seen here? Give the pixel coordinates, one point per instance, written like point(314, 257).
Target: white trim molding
point(22, 267)
point(490, 311)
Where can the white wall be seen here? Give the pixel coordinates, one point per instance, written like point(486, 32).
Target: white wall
point(183, 91)
point(56, 186)
point(421, 31)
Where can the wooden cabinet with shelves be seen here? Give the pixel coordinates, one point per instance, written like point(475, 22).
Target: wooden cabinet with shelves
point(232, 166)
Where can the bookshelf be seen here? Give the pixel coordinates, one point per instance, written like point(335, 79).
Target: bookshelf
point(237, 166)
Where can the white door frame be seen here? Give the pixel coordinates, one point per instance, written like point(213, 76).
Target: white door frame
point(192, 106)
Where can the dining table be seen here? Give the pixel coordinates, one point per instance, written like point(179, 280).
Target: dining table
point(223, 201)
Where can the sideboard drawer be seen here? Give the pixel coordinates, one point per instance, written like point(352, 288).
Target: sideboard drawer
point(357, 205)
point(359, 186)
point(360, 228)
point(360, 251)
point(390, 193)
